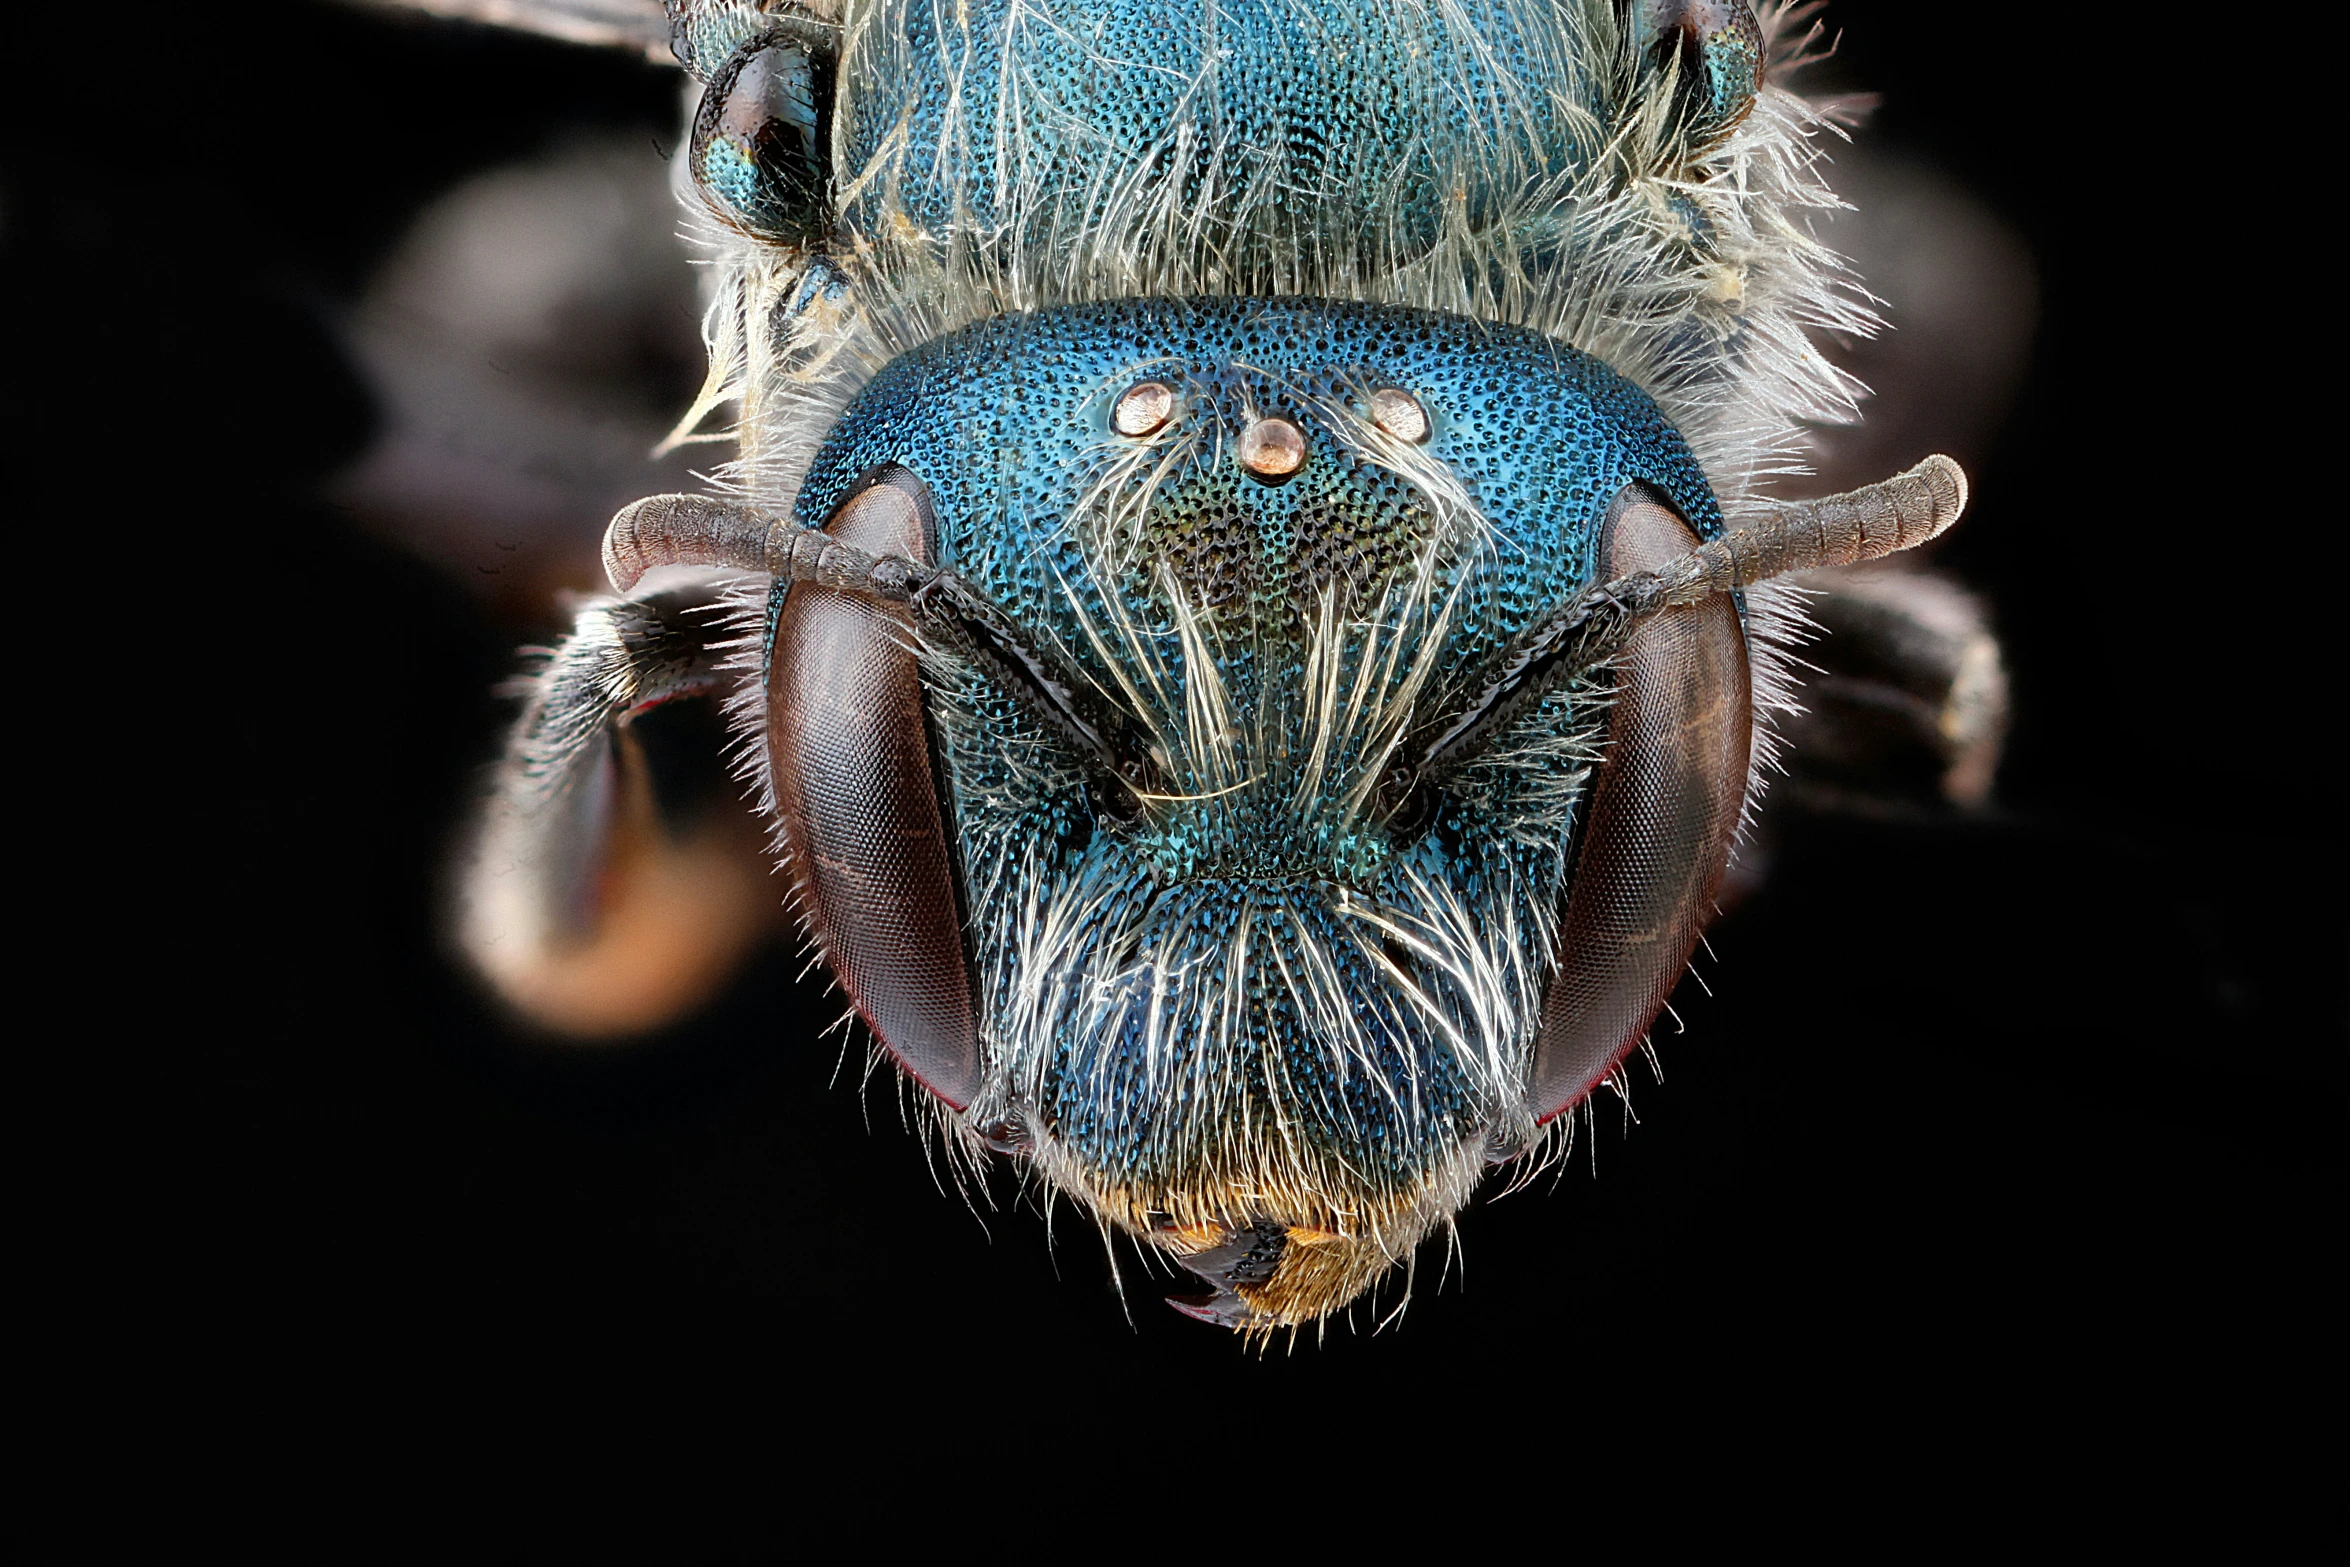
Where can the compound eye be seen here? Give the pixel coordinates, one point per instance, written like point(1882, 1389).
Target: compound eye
point(1661, 815)
point(849, 753)
point(762, 143)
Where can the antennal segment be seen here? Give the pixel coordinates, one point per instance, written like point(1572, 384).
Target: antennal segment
point(1870, 523)
point(702, 530)
point(1591, 628)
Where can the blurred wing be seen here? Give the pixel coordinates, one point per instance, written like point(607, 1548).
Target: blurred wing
point(529, 341)
point(1905, 704)
point(638, 25)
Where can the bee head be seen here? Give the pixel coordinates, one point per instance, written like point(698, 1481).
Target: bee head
point(1225, 850)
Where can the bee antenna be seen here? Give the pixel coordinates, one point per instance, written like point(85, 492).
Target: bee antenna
point(1866, 524)
point(703, 530)
point(1869, 523)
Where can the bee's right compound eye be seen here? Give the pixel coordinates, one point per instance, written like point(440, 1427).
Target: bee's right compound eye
point(850, 760)
point(762, 140)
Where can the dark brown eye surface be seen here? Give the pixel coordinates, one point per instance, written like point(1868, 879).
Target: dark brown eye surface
point(1662, 813)
point(850, 750)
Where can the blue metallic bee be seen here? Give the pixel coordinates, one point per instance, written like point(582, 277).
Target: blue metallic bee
point(1245, 594)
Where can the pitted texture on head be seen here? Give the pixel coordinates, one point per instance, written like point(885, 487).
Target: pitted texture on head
point(1255, 998)
point(1011, 420)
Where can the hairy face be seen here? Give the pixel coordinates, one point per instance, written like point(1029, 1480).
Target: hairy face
point(1235, 989)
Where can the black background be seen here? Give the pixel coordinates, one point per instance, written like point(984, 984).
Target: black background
point(1994, 1176)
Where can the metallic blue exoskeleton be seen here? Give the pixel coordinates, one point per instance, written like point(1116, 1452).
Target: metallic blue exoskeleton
point(1261, 931)
point(1184, 442)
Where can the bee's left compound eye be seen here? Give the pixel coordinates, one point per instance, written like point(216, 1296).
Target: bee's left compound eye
point(1662, 812)
point(762, 142)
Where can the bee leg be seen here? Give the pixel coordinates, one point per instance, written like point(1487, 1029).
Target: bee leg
point(1908, 707)
point(615, 879)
